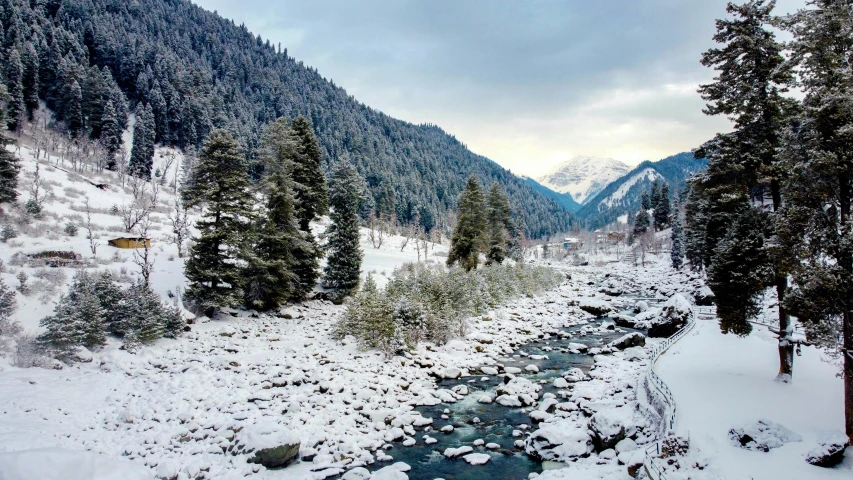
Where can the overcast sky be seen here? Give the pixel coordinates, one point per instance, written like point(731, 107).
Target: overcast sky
point(528, 84)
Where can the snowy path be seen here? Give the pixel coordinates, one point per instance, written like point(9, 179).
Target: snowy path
point(722, 382)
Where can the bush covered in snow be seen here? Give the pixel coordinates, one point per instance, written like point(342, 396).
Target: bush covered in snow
point(423, 303)
point(96, 306)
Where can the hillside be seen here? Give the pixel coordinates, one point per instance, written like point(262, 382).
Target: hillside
point(564, 199)
point(199, 71)
point(623, 195)
point(583, 177)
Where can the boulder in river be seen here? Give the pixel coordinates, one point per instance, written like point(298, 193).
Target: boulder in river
point(595, 307)
point(635, 339)
point(272, 446)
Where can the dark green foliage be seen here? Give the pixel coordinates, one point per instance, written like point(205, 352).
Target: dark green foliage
point(468, 236)
point(30, 79)
point(696, 211)
point(739, 272)
point(343, 264)
point(499, 221)
point(142, 152)
point(200, 72)
point(9, 169)
point(677, 250)
point(221, 185)
point(16, 108)
point(110, 134)
point(663, 208)
point(310, 192)
point(642, 222)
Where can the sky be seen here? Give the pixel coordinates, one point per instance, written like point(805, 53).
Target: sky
point(528, 84)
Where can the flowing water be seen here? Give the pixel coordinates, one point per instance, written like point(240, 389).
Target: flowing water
point(496, 422)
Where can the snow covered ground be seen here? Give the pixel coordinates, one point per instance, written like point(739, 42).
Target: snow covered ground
point(721, 382)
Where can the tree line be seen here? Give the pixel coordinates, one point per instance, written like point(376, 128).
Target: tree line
point(773, 209)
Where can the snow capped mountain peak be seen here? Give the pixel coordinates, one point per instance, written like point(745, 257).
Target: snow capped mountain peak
point(583, 177)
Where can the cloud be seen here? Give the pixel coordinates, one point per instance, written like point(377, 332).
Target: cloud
point(527, 84)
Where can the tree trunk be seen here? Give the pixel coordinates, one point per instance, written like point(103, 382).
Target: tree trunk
point(786, 346)
point(846, 263)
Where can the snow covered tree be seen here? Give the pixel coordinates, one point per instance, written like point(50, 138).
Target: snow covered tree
point(642, 223)
point(74, 110)
point(499, 221)
point(467, 240)
point(270, 280)
point(696, 225)
point(110, 134)
point(9, 327)
point(30, 79)
point(662, 207)
point(343, 264)
point(16, 109)
point(78, 320)
point(9, 168)
point(221, 187)
point(677, 250)
point(142, 151)
point(739, 271)
point(310, 191)
point(819, 194)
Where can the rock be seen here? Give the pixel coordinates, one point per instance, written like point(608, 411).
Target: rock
point(560, 383)
point(532, 369)
point(484, 338)
point(489, 370)
point(610, 426)
point(635, 339)
point(641, 306)
point(829, 451)
point(358, 473)
point(512, 370)
point(477, 458)
point(493, 446)
point(485, 399)
point(608, 454)
point(763, 436)
point(451, 373)
point(558, 442)
point(704, 297)
point(446, 429)
point(673, 315)
point(273, 445)
point(595, 307)
point(626, 445)
point(574, 375)
point(456, 452)
point(623, 320)
point(276, 457)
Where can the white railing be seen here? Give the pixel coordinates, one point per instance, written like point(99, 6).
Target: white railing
point(660, 404)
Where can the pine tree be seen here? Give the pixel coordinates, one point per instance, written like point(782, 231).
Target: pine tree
point(270, 280)
point(642, 222)
point(142, 151)
point(343, 264)
point(819, 194)
point(110, 134)
point(499, 221)
point(663, 209)
point(310, 191)
point(16, 108)
point(752, 77)
point(78, 320)
point(30, 79)
point(221, 185)
point(696, 225)
point(677, 251)
point(9, 168)
point(467, 240)
point(74, 110)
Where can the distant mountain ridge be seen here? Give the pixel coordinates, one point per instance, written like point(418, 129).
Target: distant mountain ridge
point(563, 199)
point(583, 177)
point(623, 195)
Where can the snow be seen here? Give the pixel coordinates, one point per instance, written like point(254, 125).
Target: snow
point(62, 464)
point(721, 382)
point(477, 458)
point(648, 174)
point(584, 177)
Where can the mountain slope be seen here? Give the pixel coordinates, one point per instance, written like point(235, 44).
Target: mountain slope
point(199, 71)
point(583, 177)
point(564, 199)
point(623, 195)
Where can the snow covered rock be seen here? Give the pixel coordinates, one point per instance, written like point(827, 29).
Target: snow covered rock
point(829, 451)
point(596, 307)
point(704, 297)
point(763, 436)
point(574, 375)
point(273, 445)
point(517, 392)
point(560, 383)
point(635, 339)
point(477, 458)
point(489, 370)
point(610, 426)
point(559, 441)
point(451, 373)
point(457, 452)
point(674, 315)
point(358, 473)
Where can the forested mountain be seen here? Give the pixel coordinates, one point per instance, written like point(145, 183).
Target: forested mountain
point(623, 195)
point(564, 199)
point(94, 61)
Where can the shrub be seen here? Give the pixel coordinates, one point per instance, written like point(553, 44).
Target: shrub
point(7, 232)
point(424, 303)
point(71, 229)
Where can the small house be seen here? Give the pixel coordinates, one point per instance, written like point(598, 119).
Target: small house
point(571, 244)
point(129, 242)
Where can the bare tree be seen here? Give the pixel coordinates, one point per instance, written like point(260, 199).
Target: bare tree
point(141, 207)
point(376, 231)
point(89, 235)
point(180, 225)
point(144, 260)
point(170, 157)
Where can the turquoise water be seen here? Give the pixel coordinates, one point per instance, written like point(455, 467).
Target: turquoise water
point(496, 421)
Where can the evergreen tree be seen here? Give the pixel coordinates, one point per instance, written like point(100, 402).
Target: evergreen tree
point(270, 277)
point(752, 78)
point(221, 186)
point(142, 151)
point(30, 79)
point(110, 134)
point(343, 264)
point(642, 222)
point(16, 108)
point(78, 320)
point(738, 272)
point(9, 168)
point(662, 207)
point(467, 240)
point(677, 251)
point(696, 225)
point(310, 191)
point(819, 194)
point(74, 110)
point(499, 223)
